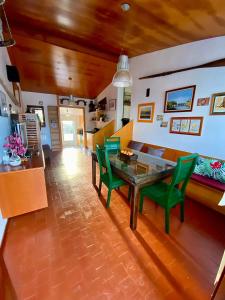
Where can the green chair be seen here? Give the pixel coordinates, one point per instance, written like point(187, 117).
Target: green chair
point(106, 175)
point(112, 143)
point(169, 195)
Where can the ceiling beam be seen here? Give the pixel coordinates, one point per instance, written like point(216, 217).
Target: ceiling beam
point(212, 64)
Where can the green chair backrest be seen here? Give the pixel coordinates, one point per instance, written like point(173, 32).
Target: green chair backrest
point(108, 166)
point(112, 143)
point(183, 171)
point(103, 160)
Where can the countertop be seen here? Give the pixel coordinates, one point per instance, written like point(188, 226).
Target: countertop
point(36, 161)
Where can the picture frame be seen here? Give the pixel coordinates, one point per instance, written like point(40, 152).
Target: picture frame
point(141, 168)
point(112, 104)
point(164, 124)
point(17, 93)
point(186, 125)
point(218, 104)
point(203, 101)
point(179, 100)
point(38, 110)
point(159, 118)
point(146, 112)
point(3, 105)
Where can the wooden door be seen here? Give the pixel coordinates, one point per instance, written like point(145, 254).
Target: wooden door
point(55, 130)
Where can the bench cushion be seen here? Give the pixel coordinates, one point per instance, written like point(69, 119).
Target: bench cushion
point(213, 168)
point(209, 182)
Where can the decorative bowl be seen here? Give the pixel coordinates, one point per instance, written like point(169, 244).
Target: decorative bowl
point(14, 162)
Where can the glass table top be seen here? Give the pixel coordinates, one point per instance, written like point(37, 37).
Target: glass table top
point(145, 168)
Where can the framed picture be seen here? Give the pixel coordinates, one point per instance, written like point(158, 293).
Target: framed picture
point(146, 112)
point(17, 93)
point(159, 118)
point(142, 168)
point(38, 110)
point(164, 124)
point(3, 105)
point(112, 104)
point(203, 101)
point(186, 125)
point(179, 100)
point(218, 104)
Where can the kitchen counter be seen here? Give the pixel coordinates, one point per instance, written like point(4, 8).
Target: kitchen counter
point(23, 188)
point(36, 161)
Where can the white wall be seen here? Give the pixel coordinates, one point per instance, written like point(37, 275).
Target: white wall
point(110, 92)
point(207, 81)
point(30, 98)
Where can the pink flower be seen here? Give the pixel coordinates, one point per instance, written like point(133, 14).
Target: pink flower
point(15, 145)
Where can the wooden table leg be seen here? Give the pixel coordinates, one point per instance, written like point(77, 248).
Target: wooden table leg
point(93, 171)
point(134, 207)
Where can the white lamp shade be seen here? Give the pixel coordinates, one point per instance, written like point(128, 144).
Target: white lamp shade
point(122, 77)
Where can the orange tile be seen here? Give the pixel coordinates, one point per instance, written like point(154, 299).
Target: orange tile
point(78, 249)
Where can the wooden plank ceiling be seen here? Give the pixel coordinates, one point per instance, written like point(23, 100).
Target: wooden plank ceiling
point(82, 39)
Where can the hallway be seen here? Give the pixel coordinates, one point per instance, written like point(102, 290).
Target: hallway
point(78, 249)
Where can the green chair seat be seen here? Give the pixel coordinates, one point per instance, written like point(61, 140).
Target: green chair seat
point(168, 195)
point(160, 192)
point(114, 183)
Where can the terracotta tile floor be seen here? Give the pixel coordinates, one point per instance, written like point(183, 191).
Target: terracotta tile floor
point(78, 249)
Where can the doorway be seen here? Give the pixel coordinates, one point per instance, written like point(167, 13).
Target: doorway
point(72, 126)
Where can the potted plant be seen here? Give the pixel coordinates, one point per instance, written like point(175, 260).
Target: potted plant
point(15, 149)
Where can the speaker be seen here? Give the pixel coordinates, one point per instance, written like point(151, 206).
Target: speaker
point(12, 74)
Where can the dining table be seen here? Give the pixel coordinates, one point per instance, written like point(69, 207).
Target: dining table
point(145, 170)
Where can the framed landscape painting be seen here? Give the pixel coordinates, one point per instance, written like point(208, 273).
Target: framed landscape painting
point(179, 100)
point(218, 104)
point(146, 112)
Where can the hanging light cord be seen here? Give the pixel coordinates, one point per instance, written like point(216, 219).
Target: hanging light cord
point(125, 28)
point(7, 23)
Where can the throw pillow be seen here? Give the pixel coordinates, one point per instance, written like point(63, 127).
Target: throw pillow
point(135, 145)
point(211, 168)
point(156, 152)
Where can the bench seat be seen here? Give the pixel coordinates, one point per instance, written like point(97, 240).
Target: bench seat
point(209, 182)
point(200, 188)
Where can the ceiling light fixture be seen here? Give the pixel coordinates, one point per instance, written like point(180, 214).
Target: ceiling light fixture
point(6, 39)
point(70, 96)
point(122, 77)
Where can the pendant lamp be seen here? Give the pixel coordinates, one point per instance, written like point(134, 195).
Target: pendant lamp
point(122, 77)
point(6, 39)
